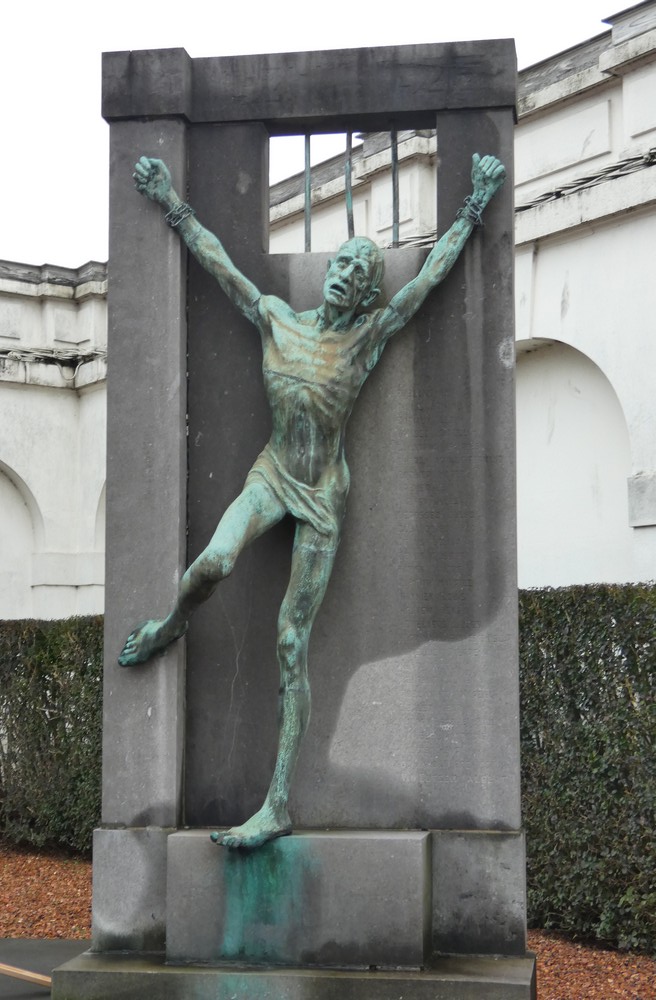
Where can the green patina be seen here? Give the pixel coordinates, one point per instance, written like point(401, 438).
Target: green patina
point(314, 365)
point(264, 896)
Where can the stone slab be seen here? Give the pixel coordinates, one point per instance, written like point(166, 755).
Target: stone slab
point(91, 977)
point(337, 899)
point(36, 955)
point(129, 890)
point(231, 639)
point(413, 656)
point(479, 895)
point(293, 91)
point(143, 709)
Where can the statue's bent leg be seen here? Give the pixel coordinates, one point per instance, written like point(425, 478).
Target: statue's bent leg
point(312, 563)
point(254, 511)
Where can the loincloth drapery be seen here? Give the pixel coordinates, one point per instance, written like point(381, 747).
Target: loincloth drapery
point(320, 506)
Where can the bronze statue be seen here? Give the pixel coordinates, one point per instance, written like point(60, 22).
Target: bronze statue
point(314, 365)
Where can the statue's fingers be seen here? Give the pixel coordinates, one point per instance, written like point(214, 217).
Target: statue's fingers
point(475, 161)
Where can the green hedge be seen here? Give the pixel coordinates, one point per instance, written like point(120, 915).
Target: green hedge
point(588, 743)
point(588, 673)
point(50, 731)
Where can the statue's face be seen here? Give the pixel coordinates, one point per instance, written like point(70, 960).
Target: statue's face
point(348, 279)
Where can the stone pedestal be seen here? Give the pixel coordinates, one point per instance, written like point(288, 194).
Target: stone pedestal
point(94, 977)
point(407, 838)
point(337, 900)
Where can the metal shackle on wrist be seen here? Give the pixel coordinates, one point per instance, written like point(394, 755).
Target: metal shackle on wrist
point(472, 211)
point(178, 214)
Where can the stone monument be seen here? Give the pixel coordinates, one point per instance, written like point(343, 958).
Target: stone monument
point(405, 871)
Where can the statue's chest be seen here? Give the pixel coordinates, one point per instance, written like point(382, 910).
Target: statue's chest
point(326, 358)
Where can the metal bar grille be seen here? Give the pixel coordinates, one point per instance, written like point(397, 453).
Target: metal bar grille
point(348, 172)
point(394, 143)
point(308, 195)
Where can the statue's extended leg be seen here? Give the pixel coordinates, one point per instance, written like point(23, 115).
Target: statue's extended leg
point(254, 511)
point(312, 563)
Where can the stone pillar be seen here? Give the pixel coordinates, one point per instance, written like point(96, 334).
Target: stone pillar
point(146, 531)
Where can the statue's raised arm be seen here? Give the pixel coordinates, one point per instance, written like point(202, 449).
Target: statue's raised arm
point(153, 179)
point(488, 175)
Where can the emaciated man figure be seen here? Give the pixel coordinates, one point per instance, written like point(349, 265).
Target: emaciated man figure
point(314, 365)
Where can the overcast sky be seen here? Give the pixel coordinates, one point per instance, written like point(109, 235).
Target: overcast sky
point(53, 153)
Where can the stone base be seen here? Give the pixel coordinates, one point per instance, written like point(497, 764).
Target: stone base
point(129, 889)
point(94, 977)
point(344, 899)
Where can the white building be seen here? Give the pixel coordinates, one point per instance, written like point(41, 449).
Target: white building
point(586, 351)
point(53, 337)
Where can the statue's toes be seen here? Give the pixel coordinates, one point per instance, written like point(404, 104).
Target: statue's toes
point(220, 838)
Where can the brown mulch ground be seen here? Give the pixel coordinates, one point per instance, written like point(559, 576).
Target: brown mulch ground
point(44, 894)
point(48, 895)
point(570, 971)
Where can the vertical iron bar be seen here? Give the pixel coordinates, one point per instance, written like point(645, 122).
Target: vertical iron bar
point(394, 142)
point(308, 195)
point(348, 168)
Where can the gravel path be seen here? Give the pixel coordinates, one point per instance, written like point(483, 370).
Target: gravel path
point(48, 895)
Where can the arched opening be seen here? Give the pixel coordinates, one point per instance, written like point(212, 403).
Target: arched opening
point(573, 460)
point(16, 545)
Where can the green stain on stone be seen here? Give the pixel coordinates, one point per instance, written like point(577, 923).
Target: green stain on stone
point(265, 892)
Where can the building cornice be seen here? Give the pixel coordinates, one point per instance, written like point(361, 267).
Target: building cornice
point(594, 63)
point(52, 281)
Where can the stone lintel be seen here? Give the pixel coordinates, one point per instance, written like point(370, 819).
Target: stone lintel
point(336, 899)
point(325, 91)
point(93, 977)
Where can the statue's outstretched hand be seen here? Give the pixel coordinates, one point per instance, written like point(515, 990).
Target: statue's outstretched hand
point(488, 174)
point(152, 178)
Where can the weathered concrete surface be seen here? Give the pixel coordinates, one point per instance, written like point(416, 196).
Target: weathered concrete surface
point(328, 91)
point(91, 977)
point(146, 485)
point(479, 893)
point(129, 890)
point(343, 900)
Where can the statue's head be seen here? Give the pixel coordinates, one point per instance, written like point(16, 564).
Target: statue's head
point(355, 275)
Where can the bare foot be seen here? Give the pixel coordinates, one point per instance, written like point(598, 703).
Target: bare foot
point(147, 639)
point(265, 825)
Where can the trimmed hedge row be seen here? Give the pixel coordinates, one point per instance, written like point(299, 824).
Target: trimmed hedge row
point(588, 675)
point(50, 731)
